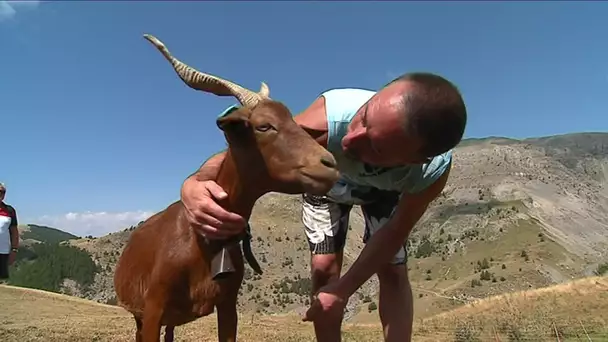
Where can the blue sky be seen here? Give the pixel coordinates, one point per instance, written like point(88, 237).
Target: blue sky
point(99, 132)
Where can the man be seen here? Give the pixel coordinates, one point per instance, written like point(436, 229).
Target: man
point(393, 149)
point(9, 236)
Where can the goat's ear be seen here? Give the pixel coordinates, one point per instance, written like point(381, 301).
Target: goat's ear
point(234, 120)
point(233, 123)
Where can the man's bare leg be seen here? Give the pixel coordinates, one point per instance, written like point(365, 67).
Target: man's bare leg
point(396, 303)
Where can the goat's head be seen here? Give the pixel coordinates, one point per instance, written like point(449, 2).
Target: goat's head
point(270, 148)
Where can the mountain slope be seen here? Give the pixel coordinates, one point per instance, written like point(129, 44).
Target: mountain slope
point(516, 214)
point(45, 260)
point(37, 233)
point(559, 179)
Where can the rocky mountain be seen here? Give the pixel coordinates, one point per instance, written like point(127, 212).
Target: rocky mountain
point(561, 179)
point(516, 214)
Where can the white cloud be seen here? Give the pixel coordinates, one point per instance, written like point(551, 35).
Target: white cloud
point(93, 223)
point(9, 9)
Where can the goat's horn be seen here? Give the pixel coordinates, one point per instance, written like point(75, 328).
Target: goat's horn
point(264, 91)
point(209, 83)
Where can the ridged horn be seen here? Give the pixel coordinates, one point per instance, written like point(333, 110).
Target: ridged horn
point(210, 83)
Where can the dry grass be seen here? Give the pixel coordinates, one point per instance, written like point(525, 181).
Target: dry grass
point(33, 315)
point(535, 315)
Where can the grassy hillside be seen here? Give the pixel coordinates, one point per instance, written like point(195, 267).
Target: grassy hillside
point(54, 267)
point(38, 233)
point(44, 261)
point(42, 316)
point(573, 311)
point(535, 315)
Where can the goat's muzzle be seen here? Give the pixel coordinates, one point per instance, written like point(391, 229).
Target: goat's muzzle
point(318, 178)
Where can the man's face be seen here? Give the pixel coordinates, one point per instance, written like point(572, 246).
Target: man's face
point(375, 135)
point(2, 193)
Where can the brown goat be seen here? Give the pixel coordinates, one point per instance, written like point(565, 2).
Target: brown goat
point(165, 274)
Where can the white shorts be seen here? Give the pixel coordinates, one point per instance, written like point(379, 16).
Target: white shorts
point(326, 221)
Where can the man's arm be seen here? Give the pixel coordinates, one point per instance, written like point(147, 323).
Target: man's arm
point(385, 243)
point(13, 231)
point(207, 171)
point(210, 167)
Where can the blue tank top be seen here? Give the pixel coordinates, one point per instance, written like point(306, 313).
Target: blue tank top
point(358, 179)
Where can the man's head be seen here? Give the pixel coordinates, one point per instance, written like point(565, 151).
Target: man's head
point(2, 191)
point(413, 118)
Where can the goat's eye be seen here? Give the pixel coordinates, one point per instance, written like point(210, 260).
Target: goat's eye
point(263, 128)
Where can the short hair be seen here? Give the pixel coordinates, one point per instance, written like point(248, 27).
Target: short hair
point(435, 110)
point(2, 186)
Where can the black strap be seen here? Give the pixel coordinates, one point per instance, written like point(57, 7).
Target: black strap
point(248, 252)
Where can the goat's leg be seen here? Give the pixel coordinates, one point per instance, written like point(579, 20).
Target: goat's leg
point(151, 325)
point(169, 333)
point(153, 313)
point(138, 325)
point(227, 320)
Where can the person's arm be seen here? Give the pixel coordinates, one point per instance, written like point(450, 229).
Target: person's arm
point(207, 171)
point(385, 243)
point(13, 231)
point(210, 167)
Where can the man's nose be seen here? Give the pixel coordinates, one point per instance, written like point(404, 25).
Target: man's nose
point(356, 136)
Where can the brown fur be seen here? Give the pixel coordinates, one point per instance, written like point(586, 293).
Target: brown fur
point(163, 275)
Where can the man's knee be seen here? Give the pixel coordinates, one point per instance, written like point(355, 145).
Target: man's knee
point(326, 263)
point(325, 268)
point(394, 277)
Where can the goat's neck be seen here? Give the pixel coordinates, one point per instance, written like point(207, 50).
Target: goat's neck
point(242, 189)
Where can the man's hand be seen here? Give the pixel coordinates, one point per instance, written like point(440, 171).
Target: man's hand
point(327, 304)
point(11, 257)
point(205, 214)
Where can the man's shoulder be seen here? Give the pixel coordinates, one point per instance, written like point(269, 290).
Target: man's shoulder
point(341, 104)
point(348, 90)
point(347, 94)
point(425, 175)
